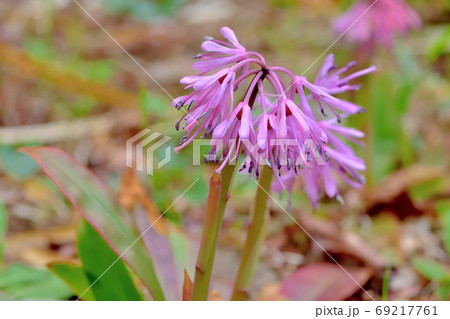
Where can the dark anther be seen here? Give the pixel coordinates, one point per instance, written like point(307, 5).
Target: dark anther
point(198, 56)
point(184, 139)
point(277, 162)
point(361, 110)
point(177, 126)
point(327, 157)
point(332, 68)
point(208, 38)
point(319, 149)
point(179, 104)
point(201, 116)
point(209, 129)
point(339, 119)
point(190, 104)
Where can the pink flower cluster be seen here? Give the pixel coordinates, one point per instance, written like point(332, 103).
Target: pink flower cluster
point(377, 22)
point(274, 123)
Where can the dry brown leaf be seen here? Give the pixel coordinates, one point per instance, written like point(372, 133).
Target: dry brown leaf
point(131, 193)
point(42, 257)
point(400, 181)
point(324, 281)
point(336, 241)
point(41, 238)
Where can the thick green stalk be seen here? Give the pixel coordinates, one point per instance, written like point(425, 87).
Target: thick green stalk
point(215, 208)
point(213, 222)
point(255, 236)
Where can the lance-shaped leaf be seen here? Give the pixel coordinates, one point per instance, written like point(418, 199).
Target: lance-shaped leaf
point(153, 229)
point(89, 195)
point(108, 276)
point(74, 277)
point(21, 282)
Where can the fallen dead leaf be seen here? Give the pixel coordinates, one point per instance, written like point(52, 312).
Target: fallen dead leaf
point(324, 282)
point(132, 193)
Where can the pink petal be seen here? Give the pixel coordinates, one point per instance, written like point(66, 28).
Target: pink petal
point(211, 46)
point(329, 182)
point(246, 120)
point(229, 34)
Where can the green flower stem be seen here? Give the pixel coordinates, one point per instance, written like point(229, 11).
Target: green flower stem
point(213, 223)
point(255, 236)
point(215, 208)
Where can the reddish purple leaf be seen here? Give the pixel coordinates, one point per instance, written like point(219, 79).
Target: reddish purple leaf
point(324, 282)
point(160, 249)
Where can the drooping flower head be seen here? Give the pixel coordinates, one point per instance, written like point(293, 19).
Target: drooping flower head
point(369, 22)
point(266, 115)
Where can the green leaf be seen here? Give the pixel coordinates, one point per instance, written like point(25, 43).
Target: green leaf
point(150, 103)
point(108, 277)
point(386, 280)
point(75, 278)
point(183, 252)
point(3, 228)
point(39, 48)
point(430, 269)
point(142, 9)
point(443, 209)
point(22, 282)
point(430, 188)
point(384, 129)
point(444, 291)
point(15, 164)
point(101, 209)
point(439, 46)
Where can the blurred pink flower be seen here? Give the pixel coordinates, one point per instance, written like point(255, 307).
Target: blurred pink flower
point(379, 24)
point(274, 123)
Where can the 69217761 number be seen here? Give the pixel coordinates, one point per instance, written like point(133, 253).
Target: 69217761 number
point(406, 310)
